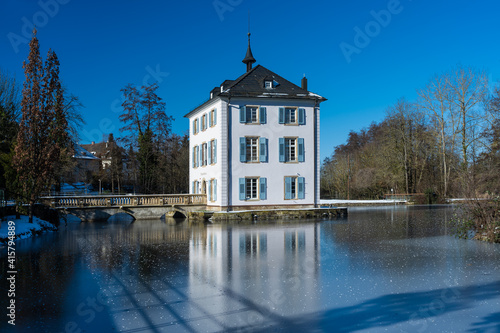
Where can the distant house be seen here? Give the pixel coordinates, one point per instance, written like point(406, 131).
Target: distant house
point(86, 165)
point(102, 150)
point(255, 143)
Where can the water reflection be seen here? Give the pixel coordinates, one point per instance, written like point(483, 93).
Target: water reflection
point(166, 276)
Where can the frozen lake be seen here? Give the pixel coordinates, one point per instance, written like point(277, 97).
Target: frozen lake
point(393, 269)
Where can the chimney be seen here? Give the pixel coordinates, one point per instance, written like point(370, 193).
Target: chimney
point(304, 83)
point(93, 143)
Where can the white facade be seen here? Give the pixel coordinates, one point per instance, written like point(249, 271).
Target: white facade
point(255, 152)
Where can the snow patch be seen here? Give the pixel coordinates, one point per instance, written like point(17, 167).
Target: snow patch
point(24, 229)
point(336, 202)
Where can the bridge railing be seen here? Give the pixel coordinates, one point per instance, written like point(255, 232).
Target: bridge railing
point(125, 200)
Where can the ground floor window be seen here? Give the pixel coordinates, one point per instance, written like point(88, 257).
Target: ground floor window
point(212, 190)
point(253, 188)
point(294, 188)
point(196, 187)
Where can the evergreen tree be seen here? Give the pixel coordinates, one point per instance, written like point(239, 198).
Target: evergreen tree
point(42, 140)
point(9, 113)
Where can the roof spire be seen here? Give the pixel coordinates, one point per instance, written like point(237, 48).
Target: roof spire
point(249, 59)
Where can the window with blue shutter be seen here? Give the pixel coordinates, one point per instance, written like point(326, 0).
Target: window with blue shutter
point(242, 188)
point(209, 153)
point(282, 116)
point(243, 114)
point(302, 185)
point(215, 190)
point(197, 156)
point(263, 188)
point(301, 149)
point(302, 116)
point(288, 188)
point(263, 150)
point(215, 117)
point(282, 150)
point(243, 150)
point(215, 151)
point(210, 190)
point(262, 115)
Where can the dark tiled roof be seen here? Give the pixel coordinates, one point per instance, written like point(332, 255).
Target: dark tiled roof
point(82, 153)
point(251, 84)
point(102, 149)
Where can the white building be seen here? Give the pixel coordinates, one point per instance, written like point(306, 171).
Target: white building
point(255, 143)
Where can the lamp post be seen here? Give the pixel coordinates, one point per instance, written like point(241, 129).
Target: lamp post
point(99, 187)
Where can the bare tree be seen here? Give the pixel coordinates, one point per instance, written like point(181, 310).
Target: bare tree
point(404, 121)
point(436, 100)
point(147, 126)
point(469, 88)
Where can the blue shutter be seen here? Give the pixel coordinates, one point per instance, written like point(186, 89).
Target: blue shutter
point(263, 150)
point(302, 116)
point(194, 186)
point(301, 149)
point(215, 117)
point(282, 116)
point(242, 188)
point(210, 190)
point(194, 157)
point(243, 114)
point(243, 150)
point(302, 185)
point(262, 115)
point(210, 119)
point(288, 188)
point(215, 190)
point(215, 152)
point(209, 150)
point(263, 188)
point(197, 156)
point(282, 149)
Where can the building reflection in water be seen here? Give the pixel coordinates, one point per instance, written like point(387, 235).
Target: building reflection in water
point(269, 265)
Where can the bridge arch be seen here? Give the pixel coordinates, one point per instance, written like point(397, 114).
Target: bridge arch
point(179, 215)
point(122, 213)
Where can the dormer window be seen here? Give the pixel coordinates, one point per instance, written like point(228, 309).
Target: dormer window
point(268, 84)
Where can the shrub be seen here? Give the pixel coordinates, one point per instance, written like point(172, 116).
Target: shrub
point(481, 217)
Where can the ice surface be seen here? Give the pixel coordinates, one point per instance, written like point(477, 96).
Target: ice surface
point(395, 268)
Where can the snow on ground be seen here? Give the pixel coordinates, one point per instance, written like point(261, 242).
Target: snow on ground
point(23, 228)
point(339, 202)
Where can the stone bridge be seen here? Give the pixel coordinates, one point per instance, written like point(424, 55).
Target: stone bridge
point(140, 207)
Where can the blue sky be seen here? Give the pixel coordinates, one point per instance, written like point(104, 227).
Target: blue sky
point(189, 47)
